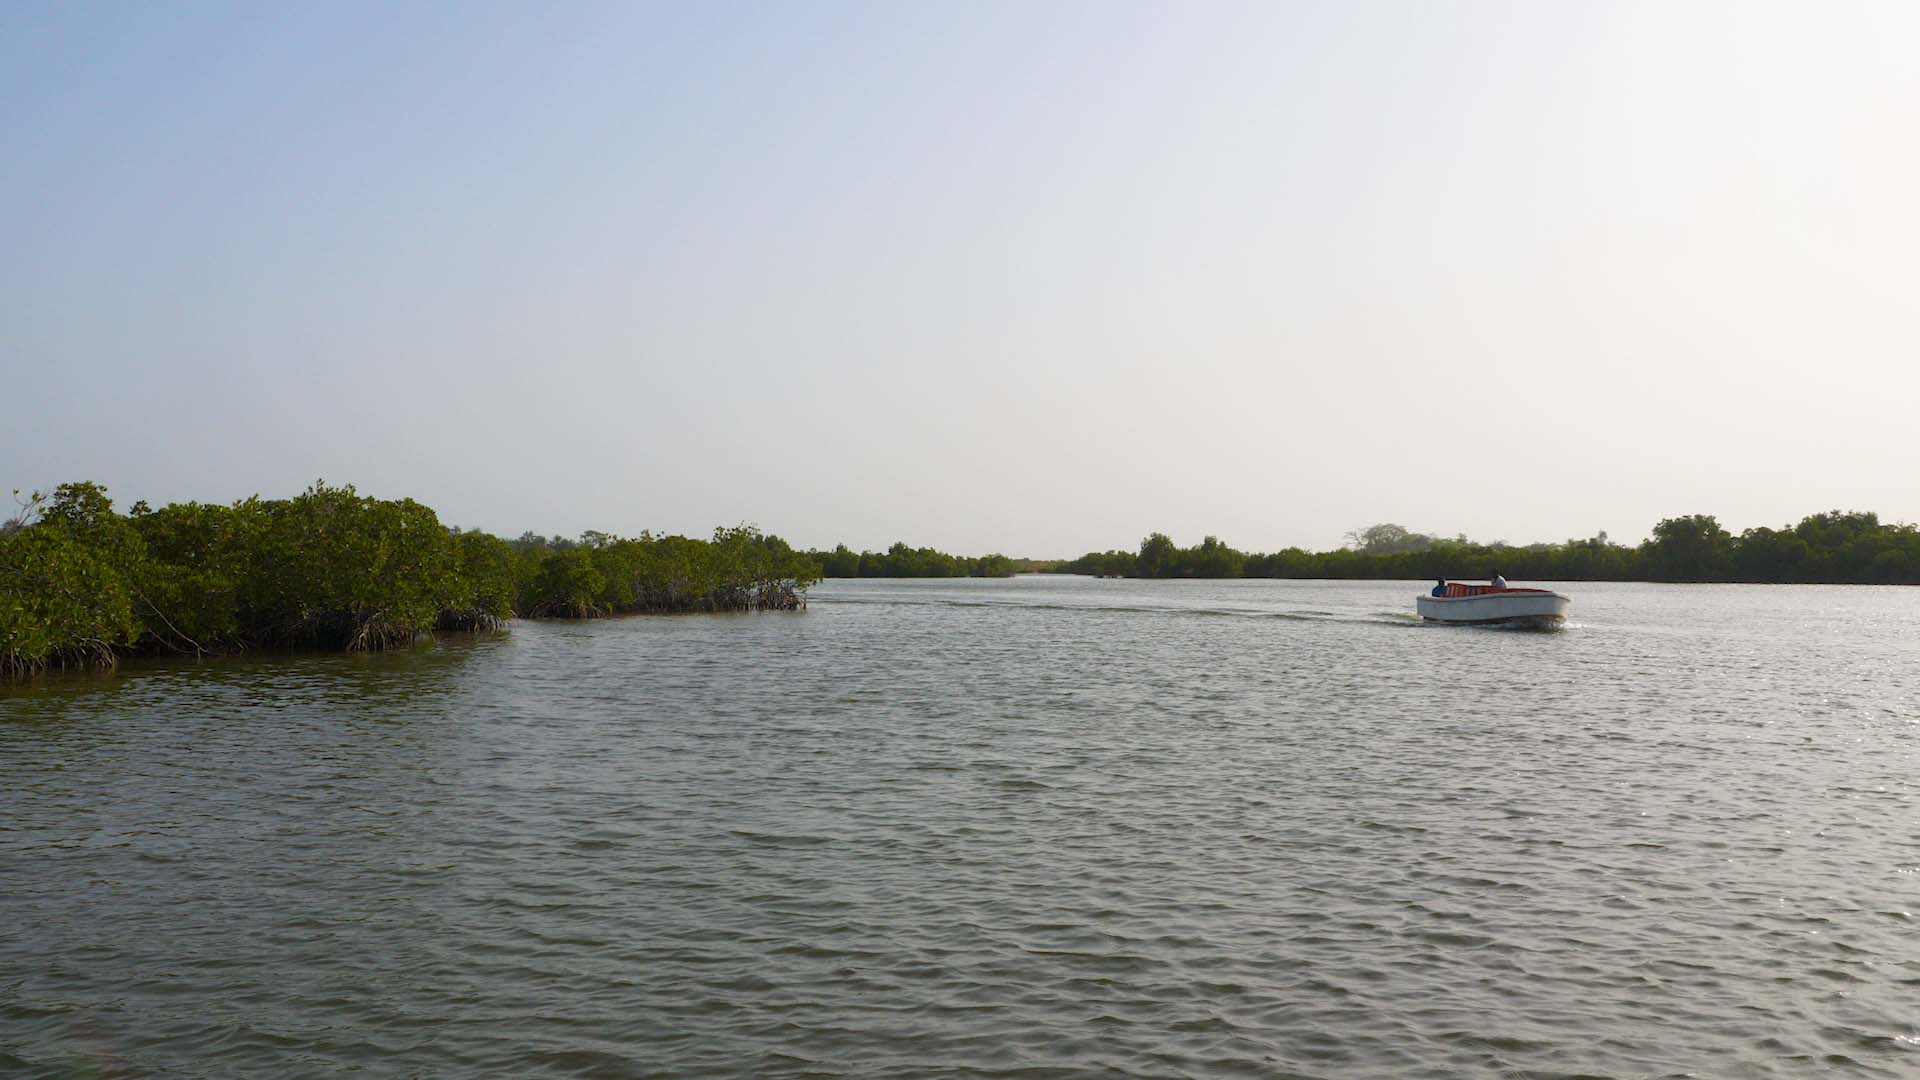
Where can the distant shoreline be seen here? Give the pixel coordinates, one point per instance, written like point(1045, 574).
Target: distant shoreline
point(1422, 581)
point(1832, 548)
point(82, 585)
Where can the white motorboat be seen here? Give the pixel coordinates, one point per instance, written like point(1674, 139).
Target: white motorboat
point(1485, 605)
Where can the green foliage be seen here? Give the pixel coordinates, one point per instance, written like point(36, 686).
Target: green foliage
point(1212, 559)
point(993, 564)
point(82, 585)
point(1102, 564)
point(1160, 557)
point(1691, 548)
point(1388, 539)
point(491, 570)
point(198, 556)
point(333, 568)
point(901, 561)
point(566, 585)
point(85, 513)
point(840, 562)
point(62, 603)
point(740, 569)
point(1830, 548)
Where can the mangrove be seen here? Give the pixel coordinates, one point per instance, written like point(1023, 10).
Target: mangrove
point(1837, 547)
point(901, 561)
point(82, 585)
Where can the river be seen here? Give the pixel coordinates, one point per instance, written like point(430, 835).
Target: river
point(1042, 827)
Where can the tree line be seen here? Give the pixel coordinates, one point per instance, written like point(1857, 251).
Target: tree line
point(1836, 547)
point(901, 561)
point(82, 585)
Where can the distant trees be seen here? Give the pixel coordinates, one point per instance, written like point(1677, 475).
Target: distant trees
point(1841, 547)
point(901, 561)
point(1387, 539)
point(81, 585)
point(1212, 559)
point(1103, 564)
point(1690, 548)
point(1159, 558)
point(840, 562)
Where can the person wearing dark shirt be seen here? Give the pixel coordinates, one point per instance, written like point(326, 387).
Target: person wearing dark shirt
point(1440, 588)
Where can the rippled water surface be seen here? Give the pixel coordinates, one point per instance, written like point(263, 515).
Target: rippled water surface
point(1027, 828)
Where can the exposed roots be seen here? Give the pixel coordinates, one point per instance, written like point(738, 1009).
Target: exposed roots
point(469, 620)
point(376, 633)
point(85, 654)
point(779, 595)
point(677, 598)
point(569, 609)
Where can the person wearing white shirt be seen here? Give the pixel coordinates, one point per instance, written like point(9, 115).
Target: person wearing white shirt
point(1498, 581)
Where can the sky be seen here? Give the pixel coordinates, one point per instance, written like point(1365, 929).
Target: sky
point(1027, 278)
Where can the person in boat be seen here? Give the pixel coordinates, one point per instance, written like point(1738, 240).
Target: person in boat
point(1497, 581)
point(1440, 587)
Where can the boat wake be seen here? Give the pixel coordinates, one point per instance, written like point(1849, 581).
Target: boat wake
point(1375, 618)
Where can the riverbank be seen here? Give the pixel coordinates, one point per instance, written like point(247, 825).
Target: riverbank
point(82, 585)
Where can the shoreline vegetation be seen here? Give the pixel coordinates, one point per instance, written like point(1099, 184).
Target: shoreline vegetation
point(901, 561)
point(82, 586)
point(1833, 548)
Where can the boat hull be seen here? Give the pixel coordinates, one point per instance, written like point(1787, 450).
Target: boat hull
point(1516, 607)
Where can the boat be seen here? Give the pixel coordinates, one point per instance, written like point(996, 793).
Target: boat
point(1489, 605)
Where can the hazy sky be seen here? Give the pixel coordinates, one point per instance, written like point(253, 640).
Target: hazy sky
point(1032, 278)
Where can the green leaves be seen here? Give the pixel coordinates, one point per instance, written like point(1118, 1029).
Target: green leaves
point(1835, 547)
point(81, 584)
point(62, 603)
point(901, 561)
point(740, 569)
point(333, 568)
